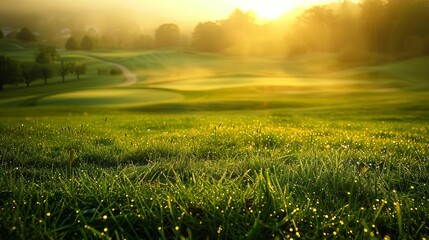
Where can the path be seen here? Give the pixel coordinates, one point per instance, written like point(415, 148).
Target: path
point(131, 78)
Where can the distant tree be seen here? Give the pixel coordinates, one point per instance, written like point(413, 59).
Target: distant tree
point(375, 31)
point(65, 69)
point(26, 35)
point(115, 71)
point(11, 35)
point(78, 69)
point(30, 72)
point(46, 72)
point(46, 55)
point(209, 37)
point(71, 44)
point(1, 35)
point(413, 46)
point(144, 42)
point(167, 35)
point(239, 26)
point(147, 42)
point(240, 19)
point(10, 71)
point(345, 31)
point(316, 27)
point(86, 44)
point(404, 20)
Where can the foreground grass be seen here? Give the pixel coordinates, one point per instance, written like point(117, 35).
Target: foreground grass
point(227, 176)
point(340, 154)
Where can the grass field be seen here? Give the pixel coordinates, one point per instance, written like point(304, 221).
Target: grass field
point(219, 147)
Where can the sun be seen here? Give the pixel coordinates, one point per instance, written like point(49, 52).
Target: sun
point(269, 9)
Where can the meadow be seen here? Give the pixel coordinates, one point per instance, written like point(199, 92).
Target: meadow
point(215, 146)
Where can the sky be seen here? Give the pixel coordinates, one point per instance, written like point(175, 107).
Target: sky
point(177, 10)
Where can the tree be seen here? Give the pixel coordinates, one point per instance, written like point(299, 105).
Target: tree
point(46, 72)
point(405, 20)
point(65, 68)
point(10, 71)
point(26, 35)
point(316, 27)
point(167, 35)
point(209, 37)
point(143, 42)
point(11, 35)
point(373, 19)
point(46, 55)
point(86, 44)
point(239, 26)
point(71, 44)
point(30, 72)
point(345, 33)
point(78, 69)
point(239, 18)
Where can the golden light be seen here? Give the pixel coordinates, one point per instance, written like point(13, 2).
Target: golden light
point(273, 9)
point(269, 9)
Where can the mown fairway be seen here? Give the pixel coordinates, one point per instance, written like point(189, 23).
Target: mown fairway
point(220, 147)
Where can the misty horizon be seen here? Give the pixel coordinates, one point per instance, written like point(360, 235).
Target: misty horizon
point(21, 13)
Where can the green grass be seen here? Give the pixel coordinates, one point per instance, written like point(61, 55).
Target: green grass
point(219, 147)
point(261, 176)
point(219, 82)
point(110, 97)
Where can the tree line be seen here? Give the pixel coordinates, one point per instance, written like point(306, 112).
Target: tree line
point(393, 28)
point(396, 28)
point(166, 35)
point(25, 35)
point(43, 67)
point(86, 44)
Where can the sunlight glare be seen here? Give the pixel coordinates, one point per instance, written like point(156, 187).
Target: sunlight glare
point(269, 9)
point(274, 9)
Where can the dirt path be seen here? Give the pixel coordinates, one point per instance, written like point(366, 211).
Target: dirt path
point(131, 78)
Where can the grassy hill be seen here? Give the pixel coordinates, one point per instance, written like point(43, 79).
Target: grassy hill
point(177, 80)
point(188, 145)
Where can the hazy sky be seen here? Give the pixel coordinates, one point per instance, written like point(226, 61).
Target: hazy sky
point(176, 10)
